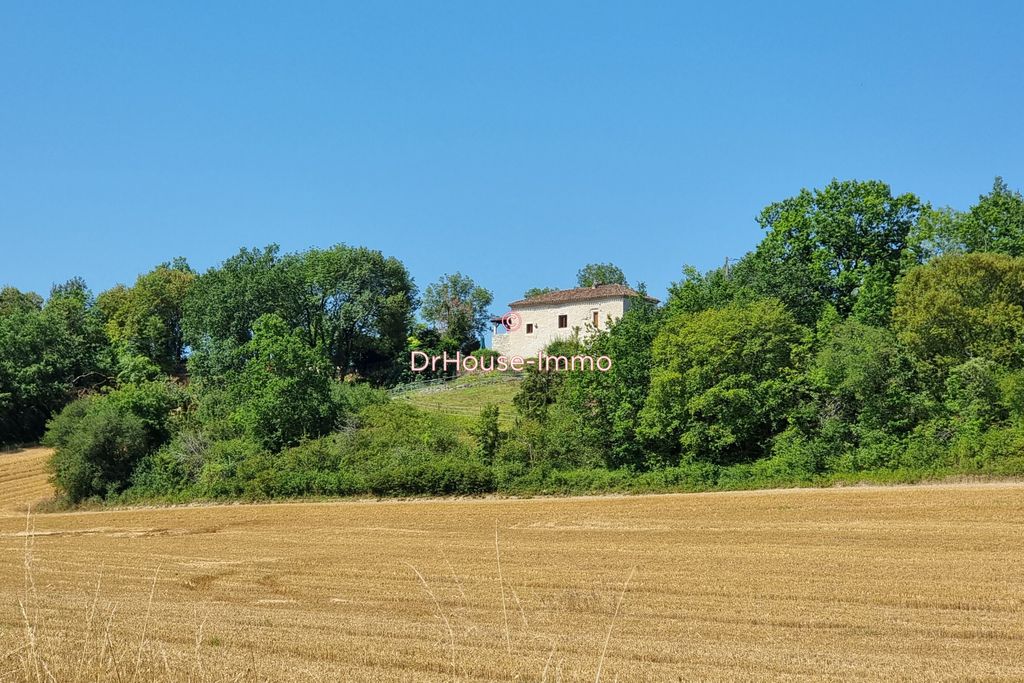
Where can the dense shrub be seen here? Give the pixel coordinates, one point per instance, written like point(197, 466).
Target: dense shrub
point(398, 449)
point(174, 468)
point(390, 449)
point(99, 440)
point(98, 443)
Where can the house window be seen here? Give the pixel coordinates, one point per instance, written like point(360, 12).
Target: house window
point(563, 321)
point(529, 328)
point(595, 318)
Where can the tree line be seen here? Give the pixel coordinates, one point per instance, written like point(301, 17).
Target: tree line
point(349, 311)
point(868, 335)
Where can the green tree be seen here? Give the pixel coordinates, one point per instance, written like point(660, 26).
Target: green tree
point(457, 306)
point(537, 291)
point(488, 433)
point(99, 445)
point(961, 306)
point(723, 381)
point(863, 399)
point(353, 304)
point(863, 376)
point(12, 300)
point(537, 391)
point(995, 223)
point(606, 405)
point(145, 320)
point(936, 232)
point(822, 246)
point(974, 395)
point(600, 274)
point(99, 440)
point(49, 356)
point(717, 287)
point(283, 392)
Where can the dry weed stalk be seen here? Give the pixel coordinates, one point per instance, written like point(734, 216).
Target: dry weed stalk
point(611, 625)
point(501, 581)
point(437, 604)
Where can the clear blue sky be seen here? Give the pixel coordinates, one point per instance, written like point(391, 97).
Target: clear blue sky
point(514, 142)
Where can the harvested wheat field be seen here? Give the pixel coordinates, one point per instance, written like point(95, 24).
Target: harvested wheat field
point(23, 479)
point(882, 583)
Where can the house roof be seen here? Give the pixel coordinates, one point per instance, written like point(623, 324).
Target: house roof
point(565, 296)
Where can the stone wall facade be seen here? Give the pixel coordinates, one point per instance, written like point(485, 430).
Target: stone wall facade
point(540, 324)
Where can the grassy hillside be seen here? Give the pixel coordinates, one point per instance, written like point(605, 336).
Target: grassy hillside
point(465, 396)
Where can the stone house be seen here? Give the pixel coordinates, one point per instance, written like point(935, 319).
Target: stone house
point(542, 319)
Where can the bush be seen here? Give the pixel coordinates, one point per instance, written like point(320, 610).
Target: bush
point(155, 403)
point(99, 440)
point(442, 476)
point(173, 469)
point(227, 466)
point(400, 450)
point(349, 399)
point(488, 433)
point(392, 449)
point(97, 445)
point(794, 458)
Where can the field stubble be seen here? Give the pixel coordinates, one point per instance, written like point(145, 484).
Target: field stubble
point(887, 583)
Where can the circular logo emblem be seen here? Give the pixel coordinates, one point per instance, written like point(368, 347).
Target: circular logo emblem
point(511, 321)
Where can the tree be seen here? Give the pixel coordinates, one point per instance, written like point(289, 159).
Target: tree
point(488, 434)
point(99, 439)
point(723, 381)
point(283, 393)
point(537, 291)
point(607, 404)
point(863, 397)
point(822, 246)
point(600, 274)
point(98, 446)
point(538, 389)
point(936, 232)
point(224, 302)
point(717, 287)
point(995, 223)
point(49, 356)
point(457, 306)
point(974, 396)
point(355, 304)
point(352, 304)
point(13, 300)
point(961, 306)
point(145, 320)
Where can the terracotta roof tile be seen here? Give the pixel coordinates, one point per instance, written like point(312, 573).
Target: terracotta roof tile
point(564, 296)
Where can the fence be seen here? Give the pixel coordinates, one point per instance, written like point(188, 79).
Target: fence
point(428, 386)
